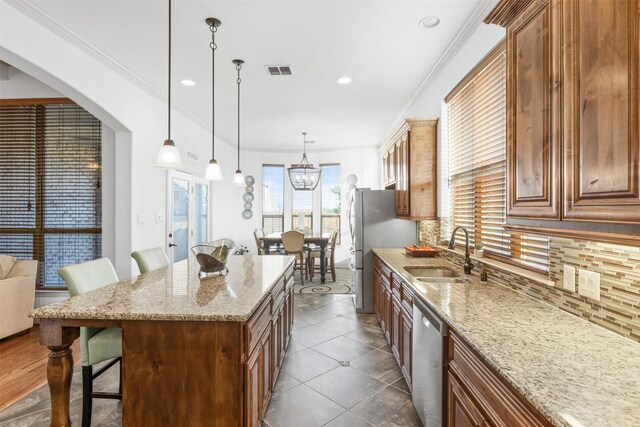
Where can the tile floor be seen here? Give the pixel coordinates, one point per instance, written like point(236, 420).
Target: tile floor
point(338, 372)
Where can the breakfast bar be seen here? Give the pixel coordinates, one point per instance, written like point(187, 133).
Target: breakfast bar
point(195, 351)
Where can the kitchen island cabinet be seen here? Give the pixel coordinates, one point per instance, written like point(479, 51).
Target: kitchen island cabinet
point(197, 352)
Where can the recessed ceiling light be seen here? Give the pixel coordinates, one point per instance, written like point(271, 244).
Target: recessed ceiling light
point(429, 22)
point(188, 82)
point(344, 80)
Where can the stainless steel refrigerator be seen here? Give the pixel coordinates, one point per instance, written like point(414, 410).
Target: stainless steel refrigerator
point(373, 224)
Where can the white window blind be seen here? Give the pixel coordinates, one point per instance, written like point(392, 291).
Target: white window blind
point(330, 199)
point(273, 198)
point(301, 202)
point(476, 132)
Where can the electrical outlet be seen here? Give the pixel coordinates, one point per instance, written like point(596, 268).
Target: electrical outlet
point(569, 278)
point(159, 218)
point(589, 284)
point(140, 219)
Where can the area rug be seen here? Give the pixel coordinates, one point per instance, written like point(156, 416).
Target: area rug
point(342, 285)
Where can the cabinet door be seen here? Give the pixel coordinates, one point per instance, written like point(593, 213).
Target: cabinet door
point(407, 346)
point(386, 313)
point(396, 326)
point(264, 362)
point(533, 113)
point(402, 176)
point(463, 410)
point(376, 293)
point(253, 396)
point(602, 137)
point(391, 159)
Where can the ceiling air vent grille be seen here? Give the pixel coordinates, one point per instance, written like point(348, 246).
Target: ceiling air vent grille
point(279, 70)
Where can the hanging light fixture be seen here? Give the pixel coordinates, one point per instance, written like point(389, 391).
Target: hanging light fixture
point(238, 178)
point(213, 172)
point(169, 156)
point(303, 176)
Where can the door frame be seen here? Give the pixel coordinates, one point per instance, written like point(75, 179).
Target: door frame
point(192, 180)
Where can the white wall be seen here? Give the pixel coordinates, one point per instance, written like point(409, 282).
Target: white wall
point(361, 161)
point(430, 103)
point(21, 85)
point(135, 114)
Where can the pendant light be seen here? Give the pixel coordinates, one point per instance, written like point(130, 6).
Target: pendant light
point(303, 176)
point(238, 178)
point(169, 156)
point(213, 172)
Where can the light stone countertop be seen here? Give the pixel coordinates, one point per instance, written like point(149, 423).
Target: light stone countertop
point(177, 293)
point(574, 372)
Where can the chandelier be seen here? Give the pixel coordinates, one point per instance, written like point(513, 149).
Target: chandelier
point(303, 176)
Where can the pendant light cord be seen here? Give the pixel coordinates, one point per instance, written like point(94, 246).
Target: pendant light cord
point(238, 80)
point(169, 79)
point(213, 46)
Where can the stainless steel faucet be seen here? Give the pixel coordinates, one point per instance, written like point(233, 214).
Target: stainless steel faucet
point(468, 265)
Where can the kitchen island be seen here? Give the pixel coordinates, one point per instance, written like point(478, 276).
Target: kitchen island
point(194, 351)
point(516, 361)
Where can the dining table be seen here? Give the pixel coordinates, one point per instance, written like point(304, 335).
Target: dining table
point(319, 239)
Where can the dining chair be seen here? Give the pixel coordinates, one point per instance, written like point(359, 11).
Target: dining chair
point(257, 234)
point(150, 259)
point(293, 242)
point(330, 255)
point(96, 344)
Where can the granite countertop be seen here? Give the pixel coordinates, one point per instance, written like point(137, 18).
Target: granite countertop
point(574, 372)
point(177, 293)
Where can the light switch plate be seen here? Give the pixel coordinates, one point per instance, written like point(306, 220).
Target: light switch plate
point(589, 284)
point(569, 278)
point(159, 218)
point(140, 219)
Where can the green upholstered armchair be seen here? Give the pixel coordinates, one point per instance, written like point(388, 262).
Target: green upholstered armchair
point(150, 259)
point(96, 345)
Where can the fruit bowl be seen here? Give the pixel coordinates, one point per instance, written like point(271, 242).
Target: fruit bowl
point(213, 256)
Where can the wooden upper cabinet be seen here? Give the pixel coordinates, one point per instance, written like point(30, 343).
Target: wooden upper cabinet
point(573, 119)
point(602, 138)
point(533, 114)
point(413, 174)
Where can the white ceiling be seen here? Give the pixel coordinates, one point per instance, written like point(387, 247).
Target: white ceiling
point(377, 43)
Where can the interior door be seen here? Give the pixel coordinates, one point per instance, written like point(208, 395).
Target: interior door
point(200, 211)
point(178, 218)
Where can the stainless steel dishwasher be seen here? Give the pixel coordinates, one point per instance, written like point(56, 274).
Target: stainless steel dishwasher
point(429, 358)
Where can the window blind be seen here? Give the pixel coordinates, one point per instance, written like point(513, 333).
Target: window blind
point(301, 202)
point(50, 186)
point(272, 198)
point(476, 132)
point(330, 199)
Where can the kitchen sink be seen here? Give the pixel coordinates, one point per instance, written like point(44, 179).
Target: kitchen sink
point(435, 275)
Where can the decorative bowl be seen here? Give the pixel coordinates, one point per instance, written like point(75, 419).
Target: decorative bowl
point(213, 256)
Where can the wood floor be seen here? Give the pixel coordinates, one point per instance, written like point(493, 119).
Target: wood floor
point(23, 366)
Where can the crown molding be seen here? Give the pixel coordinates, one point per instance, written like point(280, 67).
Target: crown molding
point(468, 28)
point(317, 150)
point(29, 9)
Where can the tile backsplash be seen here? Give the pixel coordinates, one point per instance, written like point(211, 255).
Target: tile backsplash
point(619, 266)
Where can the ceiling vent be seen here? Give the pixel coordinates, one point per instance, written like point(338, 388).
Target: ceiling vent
point(279, 70)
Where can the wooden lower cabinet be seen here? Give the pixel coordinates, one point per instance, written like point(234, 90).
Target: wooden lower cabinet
point(267, 336)
point(396, 329)
point(477, 396)
point(396, 320)
point(462, 409)
point(407, 347)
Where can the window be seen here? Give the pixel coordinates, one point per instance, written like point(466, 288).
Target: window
point(476, 133)
point(330, 199)
point(302, 204)
point(50, 185)
point(273, 198)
